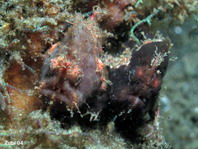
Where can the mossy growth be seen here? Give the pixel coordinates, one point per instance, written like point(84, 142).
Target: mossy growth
point(18, 17)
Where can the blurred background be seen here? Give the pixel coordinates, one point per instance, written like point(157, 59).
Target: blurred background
point(179, 95)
